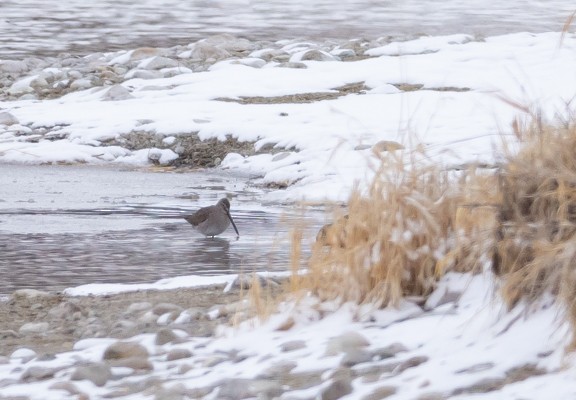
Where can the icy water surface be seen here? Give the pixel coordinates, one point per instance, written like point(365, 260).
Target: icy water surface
point(48, 27)
point(63, 226)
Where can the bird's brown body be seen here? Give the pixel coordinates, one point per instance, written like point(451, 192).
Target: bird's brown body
point(212, 220)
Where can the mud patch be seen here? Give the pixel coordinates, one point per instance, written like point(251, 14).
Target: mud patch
point(412, 87)
point(300, 98)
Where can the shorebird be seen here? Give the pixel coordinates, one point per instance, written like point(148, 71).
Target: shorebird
point(213, 220)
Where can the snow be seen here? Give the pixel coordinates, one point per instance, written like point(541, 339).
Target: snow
point(100, 289)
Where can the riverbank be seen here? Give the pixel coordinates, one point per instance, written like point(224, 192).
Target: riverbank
point(192, 343)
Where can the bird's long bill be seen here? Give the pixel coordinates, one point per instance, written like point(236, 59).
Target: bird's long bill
point(233, 224)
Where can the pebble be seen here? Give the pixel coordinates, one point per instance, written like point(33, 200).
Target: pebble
point(296, 65)
point(97, 373)
point(343, 53)
point(8, 119)
point(336, 389)
point(80, 84)
point(440, 297)
point(312, 55)
point(139, 307)
point(13, 67)
point(148, 318)
point(34, 328)
point(143, 74)
point(346, 342)
point(177, 354)
point(164, 308)
point(277, 369)
point(231, 43)
point(23, 354)
point(117, 92)
point(135, 363)
point(164, 336)
point(206, 52)
point(214, 360)
point(251, 62)
point(145, 52)
point(67, 310)
point(37, 373)
point(388, 351)
point(120, 350)
point(380, 393)
point(168, 318)
point(234, 388)
point(157, 62)
point(293, 345)
point(68, 387)
point(355, 356)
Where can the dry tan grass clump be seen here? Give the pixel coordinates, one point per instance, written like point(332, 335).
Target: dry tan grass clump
point(414, 223)
point(536, 234)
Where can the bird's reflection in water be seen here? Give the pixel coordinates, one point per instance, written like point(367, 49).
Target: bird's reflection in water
point(214, 253)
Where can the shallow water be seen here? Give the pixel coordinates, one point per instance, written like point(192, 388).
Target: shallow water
point(48, 27)
point(63, 226)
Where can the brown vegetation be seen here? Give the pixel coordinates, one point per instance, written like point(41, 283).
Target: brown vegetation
point(415, 222)
point(536, 234)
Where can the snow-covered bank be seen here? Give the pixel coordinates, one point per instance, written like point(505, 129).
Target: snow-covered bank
point(459, 344)
point(445, 92)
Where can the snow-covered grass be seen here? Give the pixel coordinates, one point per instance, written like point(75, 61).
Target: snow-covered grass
point(537, 218)
point(397, 238)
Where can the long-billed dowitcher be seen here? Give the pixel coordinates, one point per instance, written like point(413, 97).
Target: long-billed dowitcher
point(213, 220)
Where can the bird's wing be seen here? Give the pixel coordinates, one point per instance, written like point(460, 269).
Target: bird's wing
point(198, 217)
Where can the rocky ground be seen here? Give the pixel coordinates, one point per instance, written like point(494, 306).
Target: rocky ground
point(53, 77)
point(167, 345)
point(37, 326)
point(50, 323)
